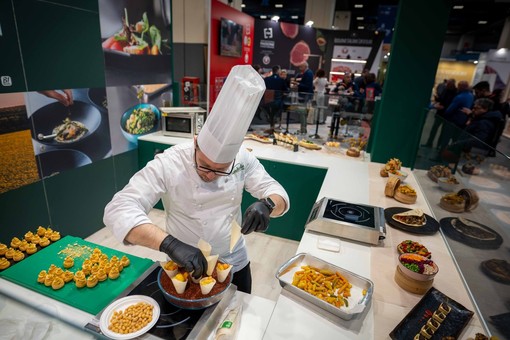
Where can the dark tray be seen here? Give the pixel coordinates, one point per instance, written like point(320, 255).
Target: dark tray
point(452, 325)
point(447, 228)
point(430, 228)
point(504, 266)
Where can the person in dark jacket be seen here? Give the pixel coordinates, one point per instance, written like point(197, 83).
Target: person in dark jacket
point(483, 124)
point(273, 97)
point(442, 102)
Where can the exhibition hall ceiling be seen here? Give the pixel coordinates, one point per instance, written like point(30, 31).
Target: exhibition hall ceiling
point(483, 19)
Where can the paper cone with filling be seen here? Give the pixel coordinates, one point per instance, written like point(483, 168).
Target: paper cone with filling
point(179, 285)
point(223, 273)
point(170, 267)
point(207, 284)
point(235, 234)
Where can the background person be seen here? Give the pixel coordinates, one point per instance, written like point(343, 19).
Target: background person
point(201, 184)
point(273, 97)
point(65, 97)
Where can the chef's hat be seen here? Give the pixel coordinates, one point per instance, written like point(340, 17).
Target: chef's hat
point(227, 123)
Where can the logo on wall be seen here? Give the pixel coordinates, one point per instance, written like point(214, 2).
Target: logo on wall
point(266, 60)
point(6, 81)
point(268, 33)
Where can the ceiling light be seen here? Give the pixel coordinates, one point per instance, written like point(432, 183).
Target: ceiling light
point(358, 5)
point(482, 22)
point(278, 5)
point(354, 61)
point(360, 18)
point(309, 23)
point(333, 27)
point(263, 17)
point(275, 18)
point(243, 5)
point(475, 62)
point(294, 17)
point(361, 27)
point(458, 7)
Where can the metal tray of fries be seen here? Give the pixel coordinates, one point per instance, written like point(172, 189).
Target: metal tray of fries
point(360, 292)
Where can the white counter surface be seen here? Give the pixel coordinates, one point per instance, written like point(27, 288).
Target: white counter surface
point(353, 180)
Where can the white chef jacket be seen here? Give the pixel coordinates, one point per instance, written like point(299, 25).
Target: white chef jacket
point(194, 209)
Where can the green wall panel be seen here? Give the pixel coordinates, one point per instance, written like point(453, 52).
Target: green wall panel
point(77, 198)
point(22, 210)
point(302, 184)
point(126, 164)
point(11, 65)
point(415, 52)
point(60, 44)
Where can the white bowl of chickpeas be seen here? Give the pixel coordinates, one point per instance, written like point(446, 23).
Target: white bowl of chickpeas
point(129, 317)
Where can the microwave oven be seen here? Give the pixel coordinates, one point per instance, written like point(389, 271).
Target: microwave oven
point(182, 121)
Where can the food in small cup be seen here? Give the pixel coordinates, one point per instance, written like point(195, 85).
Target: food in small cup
point(453, 202)
point(417, 267)
point(180, 281)
point(353, 152)
point(170, 267)
point(448, 183)
point(207, 284)
point(391, 165)
point(405, 194)
point(412, 247)
point(211, 263)
point(222, 270)
point(412, 218)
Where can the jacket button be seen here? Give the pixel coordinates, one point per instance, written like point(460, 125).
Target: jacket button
point(205, 222)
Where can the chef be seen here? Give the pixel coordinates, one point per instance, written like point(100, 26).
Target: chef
point(201, 184)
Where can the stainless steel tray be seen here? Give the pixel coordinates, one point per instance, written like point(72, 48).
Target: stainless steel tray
point(357, 301)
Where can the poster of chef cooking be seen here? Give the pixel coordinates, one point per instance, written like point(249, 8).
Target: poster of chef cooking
point(136, 41)
point(69, 128)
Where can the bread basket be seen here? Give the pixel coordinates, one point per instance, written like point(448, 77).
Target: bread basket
point(391, 185)
point(404, 197)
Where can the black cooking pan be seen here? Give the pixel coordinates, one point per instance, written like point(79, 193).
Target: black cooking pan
point(56, 161)
point(48, 117)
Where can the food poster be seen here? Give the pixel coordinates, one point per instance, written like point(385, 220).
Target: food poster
point(136, 41)
point(68, 128)
point(134, 112)
point(288, 45)
point(17, 160)
point(349, 59)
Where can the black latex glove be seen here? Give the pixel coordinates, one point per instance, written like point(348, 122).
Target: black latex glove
point(184, 255)
point(256, 218)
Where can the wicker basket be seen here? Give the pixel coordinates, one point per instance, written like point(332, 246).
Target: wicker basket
point(391, 186)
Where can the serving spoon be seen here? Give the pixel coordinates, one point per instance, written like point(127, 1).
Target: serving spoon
point(43, 137)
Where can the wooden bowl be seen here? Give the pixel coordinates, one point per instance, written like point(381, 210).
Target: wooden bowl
point(471, 198)
point(405, 197)
point(453, 203)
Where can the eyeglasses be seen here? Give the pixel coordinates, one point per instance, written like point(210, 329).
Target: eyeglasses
point(216, 172)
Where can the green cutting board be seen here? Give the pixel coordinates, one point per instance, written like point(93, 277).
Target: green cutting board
point(90, 300)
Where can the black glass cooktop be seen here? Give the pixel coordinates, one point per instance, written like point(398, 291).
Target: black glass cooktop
point(351, 213)
point(174, 322)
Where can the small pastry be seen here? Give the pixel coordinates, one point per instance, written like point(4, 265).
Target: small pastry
point(207, 284)
point(9, 253)
point(94, 258)
point(91, 281)
point(86, 268)
point(80, 283)
point(222, 270)
point(103, 258)
point(48, 280)
point(55, 236)
point(68, 262)
point(58, 272)
point(47, 233)
point(180, 281)
point(57, 283)
point(107, 268)
point(97, 251)
point(52, 269)
point(68, 276)
point(15, 242)
point(31, 248)
point(36, 239)
point(114, 273)
point(41, 231)
point(94, 269)
point(4, 263)
point(28, 236)
point(42, 276)
point(18, 256)
point(23, 245)
point(44, 242)
point(114, 259)
point(79, 275)
point(353, 152)
point(3, 249)
point(120, 266)
point(101, 275)
point(125, 261)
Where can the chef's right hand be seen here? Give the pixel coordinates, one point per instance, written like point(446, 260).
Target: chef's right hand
point(184, 255)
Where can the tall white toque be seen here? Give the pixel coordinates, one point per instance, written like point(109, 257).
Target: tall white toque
point(229, 120)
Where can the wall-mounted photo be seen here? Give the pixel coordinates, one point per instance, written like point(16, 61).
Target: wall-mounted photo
point(69, 128)
point(136, 41)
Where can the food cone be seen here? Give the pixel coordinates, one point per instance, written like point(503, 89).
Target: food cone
point(204, 247)
point(223, 273)
point(170, 268)
point(211, 263)
point(207, 284)
point(179, 285)
point(235, 234)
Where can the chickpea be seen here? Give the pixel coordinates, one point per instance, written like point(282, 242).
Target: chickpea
point(132, 319)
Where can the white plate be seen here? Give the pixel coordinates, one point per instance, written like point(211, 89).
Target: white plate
point(122, 304)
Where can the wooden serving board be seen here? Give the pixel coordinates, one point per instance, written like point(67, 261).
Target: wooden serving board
point(90, 300)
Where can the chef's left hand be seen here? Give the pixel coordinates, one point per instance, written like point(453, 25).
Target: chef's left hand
point(256, 218)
